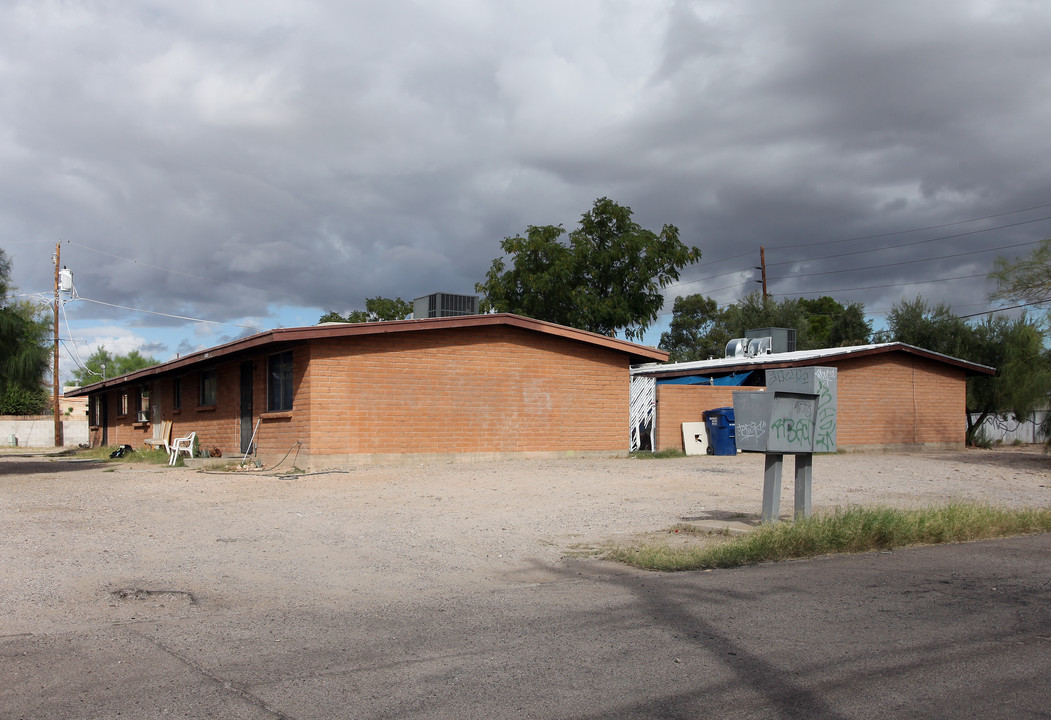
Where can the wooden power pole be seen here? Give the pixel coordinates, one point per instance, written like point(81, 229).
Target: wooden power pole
point(762, 264)
point(54, 377)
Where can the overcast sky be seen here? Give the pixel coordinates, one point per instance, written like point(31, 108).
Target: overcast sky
point(255, 163)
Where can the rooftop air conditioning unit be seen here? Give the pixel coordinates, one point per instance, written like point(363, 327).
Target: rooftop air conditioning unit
point(444, 305)
point(781, 339)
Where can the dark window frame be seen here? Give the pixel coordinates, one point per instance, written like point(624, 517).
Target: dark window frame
point(208, 388)
point(280, 393)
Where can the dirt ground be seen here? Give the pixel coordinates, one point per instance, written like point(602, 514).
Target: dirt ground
point(85, 543)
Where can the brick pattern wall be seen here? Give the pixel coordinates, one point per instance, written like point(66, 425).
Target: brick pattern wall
point(677, 404)
point(892, 400)
point(482, 390)
point(895, 400)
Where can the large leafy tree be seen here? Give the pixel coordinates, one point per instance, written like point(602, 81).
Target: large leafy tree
point(102, 364)
point(1027, 280)
point(932, 327)
point(377, 309)
point(607, 278)
point(697, 331)
point(25, 349)
point(700, 329)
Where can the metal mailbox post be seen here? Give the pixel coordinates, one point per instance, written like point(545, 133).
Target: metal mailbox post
point(796, 416)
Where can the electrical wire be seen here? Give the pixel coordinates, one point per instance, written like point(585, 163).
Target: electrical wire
point(909, 244)
point(169, 315)
point(909, 262)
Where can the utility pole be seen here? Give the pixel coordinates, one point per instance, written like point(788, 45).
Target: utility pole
point(54, 377)
point(762, 264)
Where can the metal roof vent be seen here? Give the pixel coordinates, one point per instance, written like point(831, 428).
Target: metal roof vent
point(748, 347)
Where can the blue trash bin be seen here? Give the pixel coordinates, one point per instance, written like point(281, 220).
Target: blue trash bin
point(720, 422)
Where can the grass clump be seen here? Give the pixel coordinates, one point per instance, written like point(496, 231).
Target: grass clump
point(659, 454)
point(844, 531)
point(140, 455)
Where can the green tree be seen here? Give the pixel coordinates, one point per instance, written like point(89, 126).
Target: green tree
point(1014, 347)
point(377, 309)
point(932, 327)
point(700, 329)
point(102, 364)
point(697, 331)
point(608, 278)
point(850, 327)
point(25, 350)
point(1023, 371)
point(1027, 280)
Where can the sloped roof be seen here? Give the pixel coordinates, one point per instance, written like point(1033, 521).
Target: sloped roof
point(801, 357)
point(635, 352)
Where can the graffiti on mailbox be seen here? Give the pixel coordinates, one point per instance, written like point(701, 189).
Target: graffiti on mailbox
point(825, 432)
point(751, 430)
point(794, 432)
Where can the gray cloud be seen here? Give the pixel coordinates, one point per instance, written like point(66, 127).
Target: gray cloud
point(225, 161)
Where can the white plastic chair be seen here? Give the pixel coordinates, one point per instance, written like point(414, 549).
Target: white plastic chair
point(183, 444)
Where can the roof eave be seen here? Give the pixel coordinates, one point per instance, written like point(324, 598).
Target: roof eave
point(635, 352)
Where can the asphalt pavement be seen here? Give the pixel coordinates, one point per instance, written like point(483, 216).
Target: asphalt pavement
point(960, 631)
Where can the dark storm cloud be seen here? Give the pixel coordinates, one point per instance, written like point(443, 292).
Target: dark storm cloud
point(222, 161)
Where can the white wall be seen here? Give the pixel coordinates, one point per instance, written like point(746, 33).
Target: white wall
point(39, 431)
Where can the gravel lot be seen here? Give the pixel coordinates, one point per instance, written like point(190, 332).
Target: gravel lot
point(85, 544)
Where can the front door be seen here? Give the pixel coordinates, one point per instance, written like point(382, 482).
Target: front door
point(246, 407)
point(103, 419)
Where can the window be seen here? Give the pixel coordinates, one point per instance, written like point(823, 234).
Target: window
point(279, 382)
point(96, 411)
point(124, 403)
point(209, 387)
point(177, 394)
point(143, 404)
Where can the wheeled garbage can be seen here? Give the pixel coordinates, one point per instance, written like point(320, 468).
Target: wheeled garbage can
point(720, 423)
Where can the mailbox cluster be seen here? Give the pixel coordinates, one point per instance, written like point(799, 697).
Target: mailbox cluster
point(796, 416)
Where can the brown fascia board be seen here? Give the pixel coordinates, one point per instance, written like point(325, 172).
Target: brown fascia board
point(969, 368)
point(636, 353)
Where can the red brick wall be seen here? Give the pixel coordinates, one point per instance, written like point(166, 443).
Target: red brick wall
point(884, 401)
point(677, 404)
point(467, 391)
point(899, 399)
point(482, 390)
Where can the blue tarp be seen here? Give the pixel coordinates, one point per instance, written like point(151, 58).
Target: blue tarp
point(736, 379)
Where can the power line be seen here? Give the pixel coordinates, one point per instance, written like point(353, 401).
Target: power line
point(169, 315)
point(915, 242)
point(877, 287)
point(913, 262)
point(929, 227)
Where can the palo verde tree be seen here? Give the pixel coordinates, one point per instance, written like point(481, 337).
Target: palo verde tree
point(25, 350)
point(1027, 280)
point(102, 364)
point(607, 278)
point(1015, 348)
point(377, 309)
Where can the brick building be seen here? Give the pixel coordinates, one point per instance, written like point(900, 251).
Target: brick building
point(890, 396)
point(333, 394)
